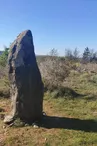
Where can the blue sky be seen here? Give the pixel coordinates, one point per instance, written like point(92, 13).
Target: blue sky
point(56, 24)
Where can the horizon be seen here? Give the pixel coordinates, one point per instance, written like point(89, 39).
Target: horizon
point(60, 25)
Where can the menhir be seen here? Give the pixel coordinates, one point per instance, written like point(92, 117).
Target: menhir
point(25, 80)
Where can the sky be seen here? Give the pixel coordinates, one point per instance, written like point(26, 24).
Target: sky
point(59, 24)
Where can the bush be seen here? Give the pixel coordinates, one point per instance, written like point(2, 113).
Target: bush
point(54, 71)
point(4, 87)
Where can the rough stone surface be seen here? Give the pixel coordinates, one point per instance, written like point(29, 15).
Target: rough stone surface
point(25, 79)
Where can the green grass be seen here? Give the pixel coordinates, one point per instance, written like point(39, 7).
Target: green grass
point(70, 121)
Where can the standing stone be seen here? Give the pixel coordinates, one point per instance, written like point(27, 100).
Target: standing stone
point(25, 79)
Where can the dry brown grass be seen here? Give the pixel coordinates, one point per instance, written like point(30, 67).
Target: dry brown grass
point(89, 67)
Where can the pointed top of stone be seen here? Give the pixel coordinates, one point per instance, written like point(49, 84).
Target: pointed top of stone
point(24, 36)
point(25, 33)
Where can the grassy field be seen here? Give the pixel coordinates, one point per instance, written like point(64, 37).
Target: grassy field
point(70, 120)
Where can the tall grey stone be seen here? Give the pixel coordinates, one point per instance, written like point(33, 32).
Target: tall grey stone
point(25, 80)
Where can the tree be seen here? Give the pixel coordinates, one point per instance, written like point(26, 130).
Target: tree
point(93, 56)
point(3, 57)
point(53, 52)
point(75, 54)
point(86, 55)
point(68, 54)
point(72, 55)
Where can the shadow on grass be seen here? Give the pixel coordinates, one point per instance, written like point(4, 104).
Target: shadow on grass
point(91, 97)
point(69, 123)
point(1, 109)
point(63, 92)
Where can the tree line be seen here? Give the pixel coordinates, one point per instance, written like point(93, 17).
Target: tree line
point(87, 56)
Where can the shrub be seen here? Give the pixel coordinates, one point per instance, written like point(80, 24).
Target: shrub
point(4, 87)
point(54, 71)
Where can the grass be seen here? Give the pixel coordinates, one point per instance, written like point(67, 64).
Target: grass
point(69, 121)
